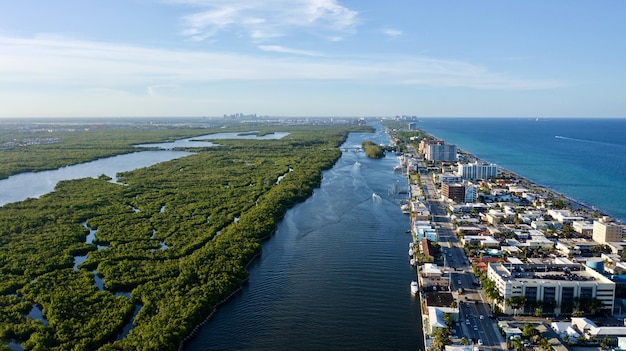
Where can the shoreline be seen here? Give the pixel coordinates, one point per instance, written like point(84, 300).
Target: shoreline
point(574, 204)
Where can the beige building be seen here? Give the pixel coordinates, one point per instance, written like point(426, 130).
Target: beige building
point(605, 231)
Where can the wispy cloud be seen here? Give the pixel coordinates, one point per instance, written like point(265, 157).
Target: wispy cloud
point(392, 32)
point(74, 64)
point(284, 50)
point(262, 20)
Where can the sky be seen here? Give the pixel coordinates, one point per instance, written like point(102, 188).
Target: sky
point(306, 58)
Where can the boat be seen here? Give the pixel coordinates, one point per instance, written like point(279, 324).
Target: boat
point(414, 287)
point(411, 252)
point(413, 262)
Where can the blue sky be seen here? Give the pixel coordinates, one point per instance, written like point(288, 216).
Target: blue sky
point(537, 58)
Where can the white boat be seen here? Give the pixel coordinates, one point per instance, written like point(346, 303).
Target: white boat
point(413, 262)
point(414, 287)
point(411, 252)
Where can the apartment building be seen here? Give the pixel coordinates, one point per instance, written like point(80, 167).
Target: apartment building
point(477, 170)
point(438, 150)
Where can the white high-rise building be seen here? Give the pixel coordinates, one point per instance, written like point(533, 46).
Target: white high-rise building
point(477, 170)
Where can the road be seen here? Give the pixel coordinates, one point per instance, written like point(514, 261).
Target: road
point(472, 305)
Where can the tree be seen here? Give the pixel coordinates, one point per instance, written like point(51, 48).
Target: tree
point(516, 302)
point(529, 330)
point(517, 345)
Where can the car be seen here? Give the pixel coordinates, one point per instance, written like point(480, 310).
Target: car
point(482, 317)
point(480, 341)
point(475, 327)
point(467, 322)
point(459, 281)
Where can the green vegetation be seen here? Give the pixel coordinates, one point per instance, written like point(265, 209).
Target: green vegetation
point(211, 209)
point(372, 150)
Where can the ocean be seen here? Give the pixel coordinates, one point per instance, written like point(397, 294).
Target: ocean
point(581, 158)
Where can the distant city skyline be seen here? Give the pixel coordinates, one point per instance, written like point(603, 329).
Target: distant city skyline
point(162, 58)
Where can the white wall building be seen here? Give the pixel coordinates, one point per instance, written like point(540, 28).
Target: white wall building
point(555, 285)
point(477, 170)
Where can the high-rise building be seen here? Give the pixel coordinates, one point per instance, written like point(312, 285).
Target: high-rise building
point(477, 170)
point(437, 150)
point(606, 231)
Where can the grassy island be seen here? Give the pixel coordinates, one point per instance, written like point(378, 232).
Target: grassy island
point(372, 150)
point(210, 209)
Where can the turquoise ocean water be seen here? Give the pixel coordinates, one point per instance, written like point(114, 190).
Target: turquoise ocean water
point(581, 158)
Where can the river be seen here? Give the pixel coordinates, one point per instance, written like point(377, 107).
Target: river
point(335, 275)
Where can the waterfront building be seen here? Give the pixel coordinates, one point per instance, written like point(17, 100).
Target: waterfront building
point(436, 318)
point(564, 216)
point(605, 230)
point(556, 286)
point(477, 170)
point(438, 150)
point(424, 230)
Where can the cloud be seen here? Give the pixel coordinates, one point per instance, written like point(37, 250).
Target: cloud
point(392, 32)
point(62, 63)
point(284, 50)
point(268, 19)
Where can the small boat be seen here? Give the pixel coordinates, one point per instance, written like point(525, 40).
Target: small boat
point(414, 287)
point(411, 252)
point(413, 262)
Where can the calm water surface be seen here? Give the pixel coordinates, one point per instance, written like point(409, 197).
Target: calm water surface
point(335, 276)
point(582, 158)
point(34, 184)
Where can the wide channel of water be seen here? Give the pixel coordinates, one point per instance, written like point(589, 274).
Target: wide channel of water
point(335, 275)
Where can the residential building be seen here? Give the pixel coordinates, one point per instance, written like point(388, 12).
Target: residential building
point(438, 150)
point(477, 170)
point(584, 327)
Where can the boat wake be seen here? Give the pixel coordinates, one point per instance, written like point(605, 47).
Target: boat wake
point(587, 141)
point(376, 198)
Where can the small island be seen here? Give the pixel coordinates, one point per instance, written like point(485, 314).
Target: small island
point(372, 150)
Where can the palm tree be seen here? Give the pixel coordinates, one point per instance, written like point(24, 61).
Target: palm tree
point(515, 302)
point(517, 344)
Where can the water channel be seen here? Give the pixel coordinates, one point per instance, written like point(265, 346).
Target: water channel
point(335, 275)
